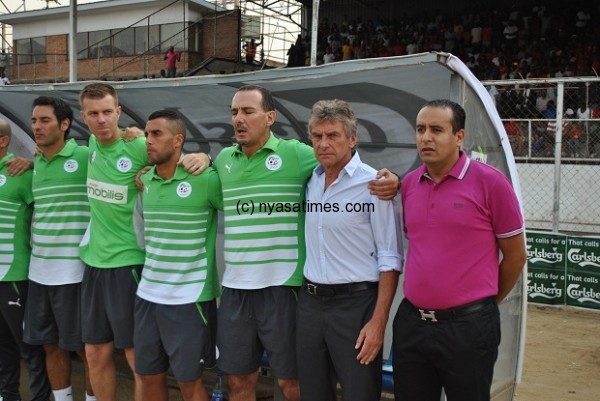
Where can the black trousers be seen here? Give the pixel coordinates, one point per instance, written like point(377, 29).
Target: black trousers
point(327, 329)
point(13, 296)
point(457, 355)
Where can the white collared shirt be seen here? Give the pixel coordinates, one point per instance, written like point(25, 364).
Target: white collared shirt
point(346, 246)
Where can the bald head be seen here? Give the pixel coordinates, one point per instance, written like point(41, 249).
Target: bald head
point(5, 134)
point(5, 128)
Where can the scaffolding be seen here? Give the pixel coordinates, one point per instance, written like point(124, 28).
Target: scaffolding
point(275, 24)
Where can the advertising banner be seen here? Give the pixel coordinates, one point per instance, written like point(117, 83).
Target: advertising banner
point(546, 273)
point(583, 272)
point(563, 269)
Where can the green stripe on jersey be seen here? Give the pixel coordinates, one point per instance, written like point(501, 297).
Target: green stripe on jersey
point(15, 221)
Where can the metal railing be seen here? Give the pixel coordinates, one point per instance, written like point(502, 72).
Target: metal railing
point(553, 126)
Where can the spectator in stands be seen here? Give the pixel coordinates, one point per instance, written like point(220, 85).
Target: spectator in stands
point(3, 62)
point(595, 132)
point(516, 137)
point(347, 52)
point(4, 80)
point(573, 134)
point(172, 57)
point(541, 102)
point(328, 57)
point(250, 47)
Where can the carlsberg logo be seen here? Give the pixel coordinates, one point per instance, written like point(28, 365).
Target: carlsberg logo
point(583, 295)
point(583, 259)
point(538, 290)
point(105, 192)
point(541, 255)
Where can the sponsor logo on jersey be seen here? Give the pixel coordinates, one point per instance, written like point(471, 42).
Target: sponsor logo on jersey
point(92, 157)
point(273, 162)
point(124, 164)
point(2, 179)
point(71, 166)
point(184, 190)
point(105, 192)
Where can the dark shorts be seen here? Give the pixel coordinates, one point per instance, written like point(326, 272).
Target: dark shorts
point(107, 302)
point(53, 316)
point(13, 302)
point(253, 321)
point(180, 336)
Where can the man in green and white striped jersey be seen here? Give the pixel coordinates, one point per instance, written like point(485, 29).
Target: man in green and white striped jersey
point(175, 308)
point(61, 215)
point(16, 207)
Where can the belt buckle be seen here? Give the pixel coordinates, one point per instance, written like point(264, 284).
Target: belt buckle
point(429, 315)
point(311, 288)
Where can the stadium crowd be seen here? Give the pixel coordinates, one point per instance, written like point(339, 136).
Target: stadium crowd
point(517, 41)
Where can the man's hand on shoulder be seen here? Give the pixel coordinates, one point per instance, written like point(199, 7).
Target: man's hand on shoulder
point(386, 185)
point(19, 165)
point(138, 177)
point(132, 133)
point(195, 163)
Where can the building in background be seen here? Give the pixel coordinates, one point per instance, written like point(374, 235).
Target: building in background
point(127, 39)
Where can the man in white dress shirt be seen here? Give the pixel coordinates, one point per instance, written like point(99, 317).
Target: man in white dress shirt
point(353, 259)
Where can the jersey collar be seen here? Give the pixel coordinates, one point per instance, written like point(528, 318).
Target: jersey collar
point(66, 151)
point(458, 171)
point(180, 175)
point(271, 144)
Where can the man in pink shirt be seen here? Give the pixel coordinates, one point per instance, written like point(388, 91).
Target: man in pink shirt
point(458, 215)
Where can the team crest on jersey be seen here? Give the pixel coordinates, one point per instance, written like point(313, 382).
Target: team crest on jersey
point(71, 166)
point(92, 157)
point(124, 164)
point(184, 190)
point(273, 162)
point(2, 180)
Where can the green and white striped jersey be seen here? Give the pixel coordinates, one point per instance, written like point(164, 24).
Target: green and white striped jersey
point(180, 229)
point(61, 215)
point(16, 207)
point(264, 219)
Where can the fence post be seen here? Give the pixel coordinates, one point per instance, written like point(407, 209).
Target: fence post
point(558, 154)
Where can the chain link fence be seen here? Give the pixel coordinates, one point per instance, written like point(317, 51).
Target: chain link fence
point(553, 127)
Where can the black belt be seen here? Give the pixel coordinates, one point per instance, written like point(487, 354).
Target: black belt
point(451, 313)
point(329, 290)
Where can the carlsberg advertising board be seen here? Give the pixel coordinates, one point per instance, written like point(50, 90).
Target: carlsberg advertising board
point(583, 272)
point(563, 270)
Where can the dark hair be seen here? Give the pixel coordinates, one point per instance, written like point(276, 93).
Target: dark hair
point(458, 113)
point(62, 110)
point(98, 90)
point(173, 117)
point(268, 104)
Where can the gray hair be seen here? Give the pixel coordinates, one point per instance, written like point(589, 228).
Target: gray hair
point(334, 110)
